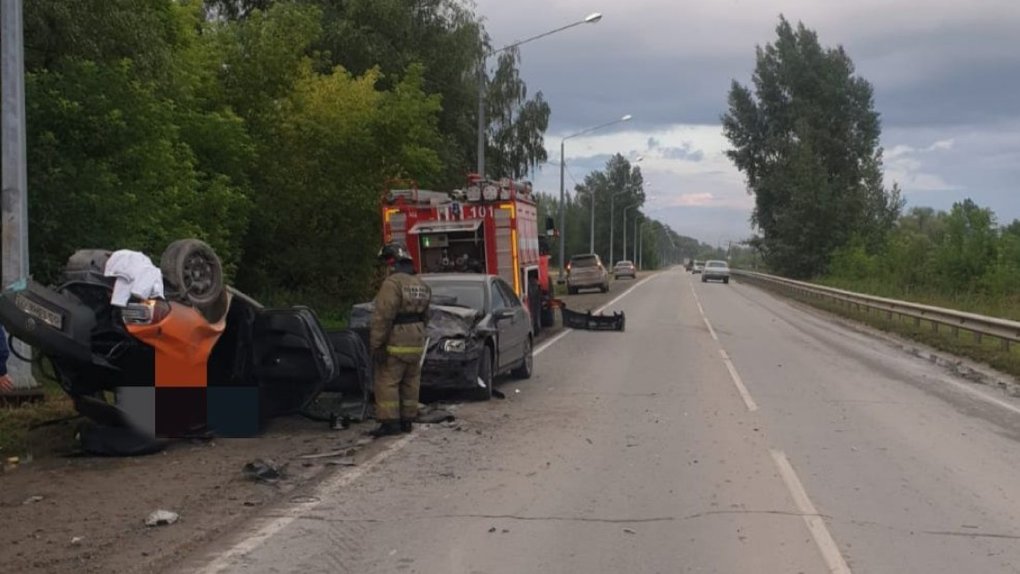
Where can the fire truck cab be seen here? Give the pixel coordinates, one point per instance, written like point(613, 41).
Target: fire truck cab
point(488, 227)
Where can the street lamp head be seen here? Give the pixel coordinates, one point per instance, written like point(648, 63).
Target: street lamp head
point(639, 159)
point(625, 118)
point(593, 18)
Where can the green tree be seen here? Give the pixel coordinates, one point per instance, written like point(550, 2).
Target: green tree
point(807, 141)
point(517, 125)
point(122, 128)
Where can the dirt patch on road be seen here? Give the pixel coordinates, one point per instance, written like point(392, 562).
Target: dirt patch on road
point(62, 514)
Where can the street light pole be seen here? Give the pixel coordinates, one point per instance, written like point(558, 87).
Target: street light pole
point(611, 196)
point(563, 200)
point(624, 254)
point(636, 226)
point(590, 19)
point(612, 212)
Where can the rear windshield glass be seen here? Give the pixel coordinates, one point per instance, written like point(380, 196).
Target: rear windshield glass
point(584, 262)
point(717, 264)
point(624, 264)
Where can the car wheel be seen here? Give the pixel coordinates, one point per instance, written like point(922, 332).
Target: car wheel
point(704, 279)
point(485, 374)
point(726, 280)
point(604, 288)
point(194, 271)
point(527, 362)
point(572, 290)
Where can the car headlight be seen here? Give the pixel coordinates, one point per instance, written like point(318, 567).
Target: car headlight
point(454, 346)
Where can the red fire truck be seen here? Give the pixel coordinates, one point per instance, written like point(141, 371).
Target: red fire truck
point(487, 227)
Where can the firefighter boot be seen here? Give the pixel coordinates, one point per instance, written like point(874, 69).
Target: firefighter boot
point(385, 428)
point(406, 426)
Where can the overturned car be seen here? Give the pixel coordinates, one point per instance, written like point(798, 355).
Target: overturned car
point(478, 329)
point(172, 351)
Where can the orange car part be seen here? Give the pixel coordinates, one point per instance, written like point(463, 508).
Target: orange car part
point(183, 340)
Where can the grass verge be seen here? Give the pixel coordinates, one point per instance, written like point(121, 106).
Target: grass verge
point(16, 435)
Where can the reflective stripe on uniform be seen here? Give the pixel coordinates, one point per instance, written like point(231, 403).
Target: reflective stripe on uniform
point(404, 350)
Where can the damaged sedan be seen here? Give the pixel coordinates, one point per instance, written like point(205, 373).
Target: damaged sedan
point(478, 330)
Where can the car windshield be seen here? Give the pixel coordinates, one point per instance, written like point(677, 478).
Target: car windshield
point(470, 294)
point(588, 261)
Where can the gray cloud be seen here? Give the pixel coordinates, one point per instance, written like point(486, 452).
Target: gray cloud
point(941, 69)
point(683, 152)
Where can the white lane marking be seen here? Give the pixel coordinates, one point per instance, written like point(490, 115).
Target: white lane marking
point(278, 522)
point(744, 394)
point(819, 531)
point(275, 524)
point(734, 375)
point(550, 342)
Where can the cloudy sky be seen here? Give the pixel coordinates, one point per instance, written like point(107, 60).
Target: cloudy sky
point(946, 75)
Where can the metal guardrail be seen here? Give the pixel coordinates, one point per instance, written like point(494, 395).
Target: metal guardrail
point(1005, 330)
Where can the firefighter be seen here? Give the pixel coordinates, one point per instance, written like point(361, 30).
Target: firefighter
point(397, 342)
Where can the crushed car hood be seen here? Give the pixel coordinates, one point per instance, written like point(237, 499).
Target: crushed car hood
point(444, 321)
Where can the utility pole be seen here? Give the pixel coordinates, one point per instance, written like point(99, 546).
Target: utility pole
point(14, 197)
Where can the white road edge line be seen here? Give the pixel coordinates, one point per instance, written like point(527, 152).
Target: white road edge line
point(278, 522)
point(273, 525)
point(819, 531)
point(734, 375)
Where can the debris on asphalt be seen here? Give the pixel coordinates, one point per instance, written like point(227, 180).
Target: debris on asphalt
point(517, 391)
point(491, 530)
point(329, 454)
point(629, 531)
point(77, 540)
point(364, 441)
point(433, 416)
point(342, 422)
point(498, 394)
point(263, 470)
point(506, 530)
point(345, 461)
point(32, 500)
point(589, 441)
point(161, 518)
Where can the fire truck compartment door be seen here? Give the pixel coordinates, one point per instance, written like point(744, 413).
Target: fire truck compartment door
point(429, 227)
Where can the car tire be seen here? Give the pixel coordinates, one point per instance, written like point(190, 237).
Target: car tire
point(571, 290)
point(485, 372)
point(193, 271)
point(527, 362)
point(704, 279)
point(604, 288)
point(726, 280)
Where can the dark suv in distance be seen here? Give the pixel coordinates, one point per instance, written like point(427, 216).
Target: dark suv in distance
point(586, 272)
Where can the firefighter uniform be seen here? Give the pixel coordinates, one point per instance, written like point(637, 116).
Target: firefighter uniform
point(397, 343)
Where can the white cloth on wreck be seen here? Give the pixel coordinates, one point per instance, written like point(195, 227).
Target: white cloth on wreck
point(136, 275)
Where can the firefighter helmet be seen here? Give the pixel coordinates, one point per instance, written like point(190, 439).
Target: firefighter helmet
point(394, 252)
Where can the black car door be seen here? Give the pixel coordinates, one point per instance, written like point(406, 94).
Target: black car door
point(292, 359)
point(513, 329)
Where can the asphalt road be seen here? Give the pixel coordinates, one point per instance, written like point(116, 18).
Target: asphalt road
point(725, 431)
